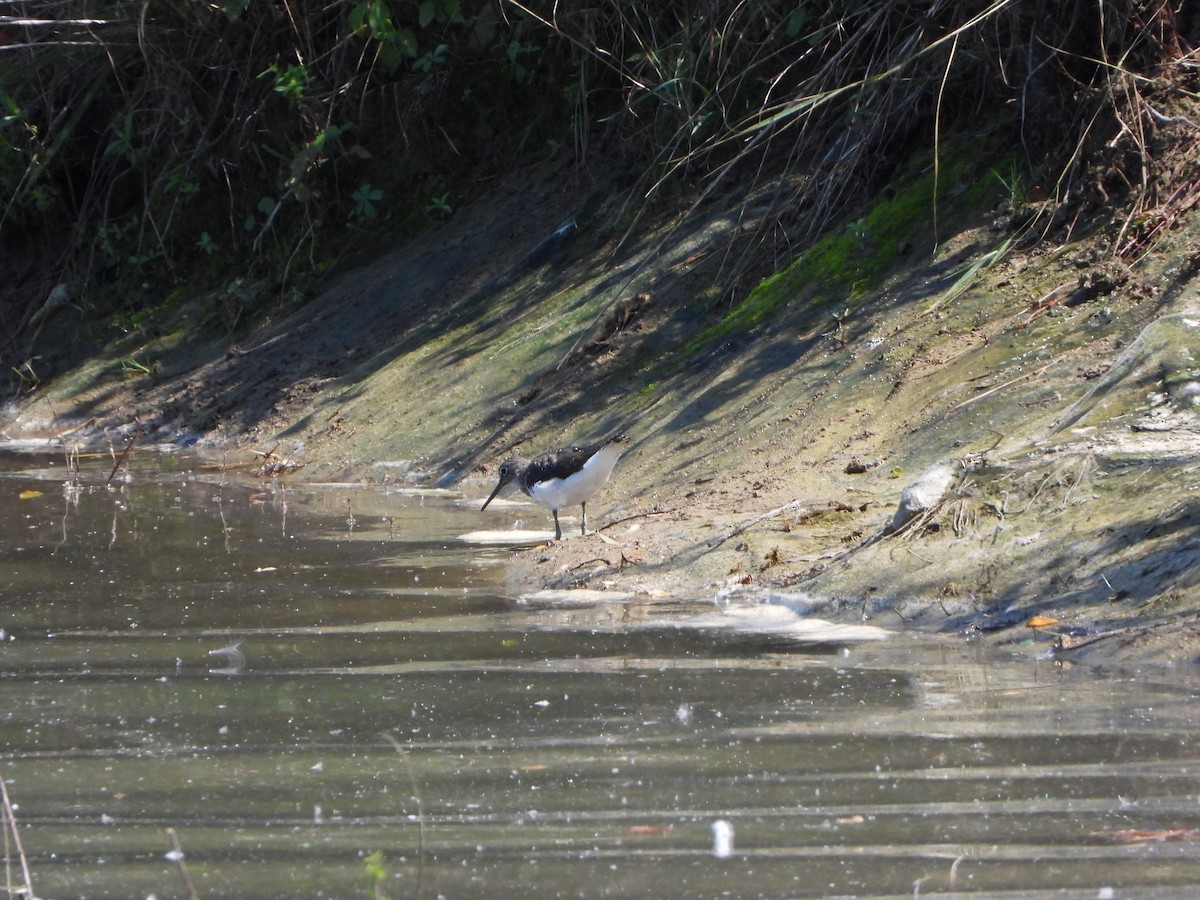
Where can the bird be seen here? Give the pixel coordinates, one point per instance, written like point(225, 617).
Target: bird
point(563, 477)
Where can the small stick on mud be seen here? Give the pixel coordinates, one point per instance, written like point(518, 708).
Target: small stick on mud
point(999, 387)
point(981, 454)
point(645, 515)
point(1064, 643)
point(588, 562)
point(787, 507)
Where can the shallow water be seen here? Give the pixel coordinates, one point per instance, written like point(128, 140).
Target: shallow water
point(322, 691)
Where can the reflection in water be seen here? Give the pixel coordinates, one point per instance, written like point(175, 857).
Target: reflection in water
point(398, 727)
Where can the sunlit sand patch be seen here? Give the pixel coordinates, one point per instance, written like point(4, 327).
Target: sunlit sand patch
point(498, 503)
point(387, 489)
point(508, 536)
point(407, 491)
point(87, 449)
point(577, 597)
point(779, 621)
point(746, 618)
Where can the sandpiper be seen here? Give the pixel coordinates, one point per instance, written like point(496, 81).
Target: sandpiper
point(563, 477)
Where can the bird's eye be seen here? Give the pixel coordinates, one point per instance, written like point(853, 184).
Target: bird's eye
point(503, 471)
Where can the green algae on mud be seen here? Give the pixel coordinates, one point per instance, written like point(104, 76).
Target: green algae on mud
point(843, 266)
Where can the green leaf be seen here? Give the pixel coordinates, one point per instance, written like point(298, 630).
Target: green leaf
point(233, 9)
point(390, 56)
point(427, 14)
point(796, 22)
point(378, 19)
point(406, 41)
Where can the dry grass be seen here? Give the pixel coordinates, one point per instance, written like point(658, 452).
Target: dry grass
point(826, 101)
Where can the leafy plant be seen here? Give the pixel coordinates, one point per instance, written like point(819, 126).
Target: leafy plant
point(292, 81)
point(517, 53)
point(395, 44)
point(439, 205)
point(132, 367)
point(435, 57)
point(376, 873)
point(233, 9)
point(365, 199)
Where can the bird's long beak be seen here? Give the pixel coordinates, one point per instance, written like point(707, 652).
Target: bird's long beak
point(492, 497)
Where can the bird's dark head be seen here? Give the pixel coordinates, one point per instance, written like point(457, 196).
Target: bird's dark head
point(509, 470)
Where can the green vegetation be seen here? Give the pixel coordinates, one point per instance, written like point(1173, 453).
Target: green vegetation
point(375, 873)
point(175, 142)
point(253, 144)
point(844, 264)
point(132, 367)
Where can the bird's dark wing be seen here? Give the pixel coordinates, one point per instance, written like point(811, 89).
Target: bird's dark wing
point(560, 463)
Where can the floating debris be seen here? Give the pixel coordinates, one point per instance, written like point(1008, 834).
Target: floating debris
point(233, 655)
point(722, 839)
point(274, 465)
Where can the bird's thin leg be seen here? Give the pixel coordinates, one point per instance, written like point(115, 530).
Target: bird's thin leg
point(557, 527)
point(583, 527)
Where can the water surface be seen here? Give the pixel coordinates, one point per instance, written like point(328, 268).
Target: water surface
point(220, 686)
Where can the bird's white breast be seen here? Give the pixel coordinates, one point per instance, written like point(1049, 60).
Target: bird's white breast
point(557, 493)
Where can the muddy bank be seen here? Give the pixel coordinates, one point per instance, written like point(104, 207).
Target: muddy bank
point(1063, 519)
point(1054, 390)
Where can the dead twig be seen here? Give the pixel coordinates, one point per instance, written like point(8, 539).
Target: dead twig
point(1049, 300)
point(176, 856)
point(778, 511)
point(1065, 643)
point(11, 835)
point(954, 871)
point(273, 464)
point(588, 562)
point(1000, 387)
point(416, 792)
point(120, 459)
point(645, 515)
